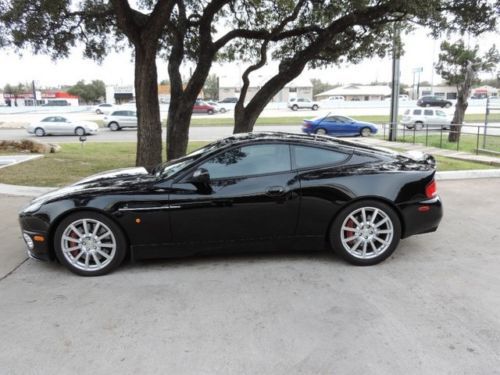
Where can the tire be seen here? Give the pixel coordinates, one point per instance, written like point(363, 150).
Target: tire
point(210, 111)
point(80, 131)
point(98, 111)
point(351, 245)
point(418, 125)
point(223, 110)
point(39, 132)
point(88, 258)
point(427, 105)
point(113, 126)
point(315, 107)
point(295, 107)
point(320, 131)
point(365, 132)
point(447, 105)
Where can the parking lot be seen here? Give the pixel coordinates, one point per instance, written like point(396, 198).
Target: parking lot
point(432, 308)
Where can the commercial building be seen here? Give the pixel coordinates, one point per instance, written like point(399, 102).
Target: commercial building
point(354, 92)
point(298, 88)
point(43, 98)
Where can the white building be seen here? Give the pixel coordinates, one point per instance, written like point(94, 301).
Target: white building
point(354, 92)
point(298, 88)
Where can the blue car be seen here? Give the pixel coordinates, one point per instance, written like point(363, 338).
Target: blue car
point(339, 126)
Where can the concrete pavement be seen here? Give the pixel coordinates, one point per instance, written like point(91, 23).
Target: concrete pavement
point(432, 308)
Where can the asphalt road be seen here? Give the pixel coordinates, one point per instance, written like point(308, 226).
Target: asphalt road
point(196, 133)
point(432, 308)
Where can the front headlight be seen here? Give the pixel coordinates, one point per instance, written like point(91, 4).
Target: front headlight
point(33, 207)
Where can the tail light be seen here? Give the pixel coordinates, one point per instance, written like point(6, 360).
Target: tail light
point(431, 189)
point(307, 124)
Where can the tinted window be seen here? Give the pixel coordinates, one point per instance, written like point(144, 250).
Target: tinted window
point(417, 112)
point(48, 119)
point(310, 156)
point(117, 113)
point(441, 113)
point(249, 160)
point(428, 112)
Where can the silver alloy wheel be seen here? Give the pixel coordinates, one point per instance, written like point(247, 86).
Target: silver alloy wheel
point(365, 132)
point(88, 244)
point(367, 232)
point(321, 131)
point(114, 126)
point(80, 131)
point(39, 132)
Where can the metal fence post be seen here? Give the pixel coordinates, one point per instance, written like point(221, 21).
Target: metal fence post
point(477, 140)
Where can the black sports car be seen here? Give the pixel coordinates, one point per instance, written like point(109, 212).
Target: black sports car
point(257, 191)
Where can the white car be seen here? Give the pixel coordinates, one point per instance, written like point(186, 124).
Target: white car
point(121, 119)
point(58, 125)
point(104, 109)
point(432, 118)
point(300, 103)
point(222, 107)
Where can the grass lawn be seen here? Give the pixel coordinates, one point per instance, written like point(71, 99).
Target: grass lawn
point(74, 163)
point(468, 142)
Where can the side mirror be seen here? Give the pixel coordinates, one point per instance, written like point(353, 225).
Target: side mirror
point(201, 176)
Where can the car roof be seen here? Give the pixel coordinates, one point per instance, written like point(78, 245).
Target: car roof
point(304, 139)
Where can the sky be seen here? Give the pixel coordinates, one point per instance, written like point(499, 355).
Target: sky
point(118, 69)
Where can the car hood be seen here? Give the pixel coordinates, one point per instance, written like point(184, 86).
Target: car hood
point(110, 181)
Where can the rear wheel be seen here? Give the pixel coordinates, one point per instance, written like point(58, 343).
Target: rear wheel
point(320, 131)
point(223, 110)
point(89, 244)
point(365, 132)
point(366, 232)
point(114, 126)
point(314, 107)
point(427, 105)
point(295, 107)
point(39, 132)
point(210, 111)
point(80, 131)
point(447, 105)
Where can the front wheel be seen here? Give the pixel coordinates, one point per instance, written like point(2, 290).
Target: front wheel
point(365, 132)
point(80, 131)
point(295, 107)
point(447, 105)
point(314, 107)
point(419, 125)
point(365, 233)
point(114, 126)
point(210, 111)
point(89, 244)
point(223, 110)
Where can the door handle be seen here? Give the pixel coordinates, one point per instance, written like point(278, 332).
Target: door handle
point(275, 190)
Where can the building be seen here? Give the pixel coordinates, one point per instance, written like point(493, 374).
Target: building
point(43, 98)
point(298, 88)
point(126, 94)
point(354, 92)
point(445, 92)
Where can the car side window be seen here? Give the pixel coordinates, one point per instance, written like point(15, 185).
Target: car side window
point(249, 160)
point(428, 112)
point(440, 113)
point(48, 119)
point(306, 156)
point(417, 112)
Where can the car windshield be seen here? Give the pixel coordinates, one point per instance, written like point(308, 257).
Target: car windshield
point(171, 167)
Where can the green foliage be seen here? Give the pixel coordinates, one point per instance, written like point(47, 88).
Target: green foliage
point(455, 58)
point(89, 93)
point(211, 88)
point(319, 86)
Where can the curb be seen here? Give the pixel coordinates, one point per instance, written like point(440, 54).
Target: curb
point(34, 191)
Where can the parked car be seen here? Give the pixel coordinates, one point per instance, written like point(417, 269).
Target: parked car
point(218, 107)
point(118, 120)
point(335, 98)
point(230, 99)
point(104, 108)
point(201, 106)
point(302, 103)
point(276, 190)
point(225, 106)
point(338, 126)
point(433, 101)
point(58, 125)
point(432, 118)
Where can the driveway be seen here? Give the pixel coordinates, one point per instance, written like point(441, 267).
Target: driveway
point(432, 308)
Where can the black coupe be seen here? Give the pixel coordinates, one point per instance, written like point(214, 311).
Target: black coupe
point(256, 191)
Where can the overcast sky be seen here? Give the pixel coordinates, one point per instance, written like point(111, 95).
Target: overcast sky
point(420, 51)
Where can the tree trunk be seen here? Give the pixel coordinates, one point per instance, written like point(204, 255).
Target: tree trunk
point(149, 140)
point(179, 118)
point(458, 119)
point(243, 121)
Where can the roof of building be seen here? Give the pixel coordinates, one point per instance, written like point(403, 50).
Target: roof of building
point(259, 81)
point(353, 89)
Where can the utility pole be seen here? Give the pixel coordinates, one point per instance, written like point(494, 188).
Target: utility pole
point(34, 92)
point(395, 84)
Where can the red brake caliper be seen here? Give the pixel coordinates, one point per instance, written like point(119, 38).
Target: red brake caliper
point(74, 252)
point(348, 233)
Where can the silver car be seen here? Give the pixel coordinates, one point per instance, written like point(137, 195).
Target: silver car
point(58, 125)
point(121, 119)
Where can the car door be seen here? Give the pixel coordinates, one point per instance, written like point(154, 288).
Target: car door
point(252, 195)
point(429, 118)
point(59, 125)
point(336, 125)
point(132, 119)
